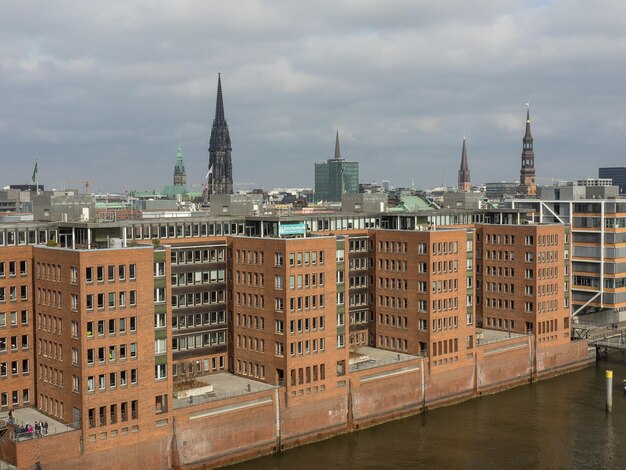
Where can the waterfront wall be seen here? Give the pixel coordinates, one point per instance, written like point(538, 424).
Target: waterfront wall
point(224, 431)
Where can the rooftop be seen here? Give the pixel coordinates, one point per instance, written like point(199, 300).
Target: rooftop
point(30, 415)
point(225, 385)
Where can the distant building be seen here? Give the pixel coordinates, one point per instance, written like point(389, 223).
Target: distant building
point(464, 173)
point(617, 174)
point(180, 176)
point(335, 177)
point(220, 161)
point(527, 181)
point(501, 189)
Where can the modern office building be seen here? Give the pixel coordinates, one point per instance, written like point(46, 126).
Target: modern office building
point(615, 173)
point(598, 231)
point(335, 177)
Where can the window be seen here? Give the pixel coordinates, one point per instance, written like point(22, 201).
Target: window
point(159, 347)
point(131, 271)
point(100, 273)
point(132, 295)
point(160, 371)
point(159, 295)
point(133, 324)
point(133, 350)
point(91, 383)
point(89, 274)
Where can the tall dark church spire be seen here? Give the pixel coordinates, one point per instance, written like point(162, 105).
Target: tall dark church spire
point(464, 173)
point(220, 163)
point(527, 172)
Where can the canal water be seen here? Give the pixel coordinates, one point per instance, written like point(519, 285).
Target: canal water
point(560, 423)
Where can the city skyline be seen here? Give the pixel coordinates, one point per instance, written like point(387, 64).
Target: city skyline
point(124, 85)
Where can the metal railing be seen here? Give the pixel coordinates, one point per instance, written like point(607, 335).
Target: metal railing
point(18, 430)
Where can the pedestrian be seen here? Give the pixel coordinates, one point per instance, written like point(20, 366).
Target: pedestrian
point(37, 429)
point(10, 416)
point(45, 427)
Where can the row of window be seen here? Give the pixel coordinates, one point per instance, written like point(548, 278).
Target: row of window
point(50, 349)
point(299, 303)
point(101, 325)
point(107, 353)
point(14, 268)
point(308, 374)
point(22, 237)
point(110, 300)
point(195, 320)
point(197, 255)
point(111, 270)
point(124, 376)
point(13, 293)
point(449, 346)
point(113, 413)
point(14, 368)
point(250, 300)
point(394, 321)
point(498, 239)
point(251, 369)
point(14, 318)
point(207, 277)
point(51, 375)
point(389, 342)
point(501, 323)
point(250, 343)
point(15, 398)
point(249, 257)
point(14, 342)
point(299, 258)
point(197, 298)
point(201, 340)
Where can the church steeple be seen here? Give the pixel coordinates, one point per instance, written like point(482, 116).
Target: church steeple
point(180, 176)
point(464, 173)
point(220, 163)
point(527, 173)
point(337, 150)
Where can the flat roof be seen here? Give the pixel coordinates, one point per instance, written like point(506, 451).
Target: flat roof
point(225, 385)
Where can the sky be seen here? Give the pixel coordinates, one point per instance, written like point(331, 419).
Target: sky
point(107, 91)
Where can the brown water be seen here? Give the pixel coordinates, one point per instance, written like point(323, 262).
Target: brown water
point(559, 423)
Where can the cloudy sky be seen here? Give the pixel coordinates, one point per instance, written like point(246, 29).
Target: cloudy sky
point(106, 91)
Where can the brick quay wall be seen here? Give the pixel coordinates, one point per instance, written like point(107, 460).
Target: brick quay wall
point(225, 431)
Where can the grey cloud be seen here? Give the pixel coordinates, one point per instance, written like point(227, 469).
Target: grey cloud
point(90, 88)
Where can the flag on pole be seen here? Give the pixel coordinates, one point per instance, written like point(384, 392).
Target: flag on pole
point(210, 172)
point(35, 172)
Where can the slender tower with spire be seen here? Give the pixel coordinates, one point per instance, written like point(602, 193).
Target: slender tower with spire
point(527, 174)
point(220, 175)
point(180, 176)
point(464, 173)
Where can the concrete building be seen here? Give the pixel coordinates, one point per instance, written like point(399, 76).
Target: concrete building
point(335, 177)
